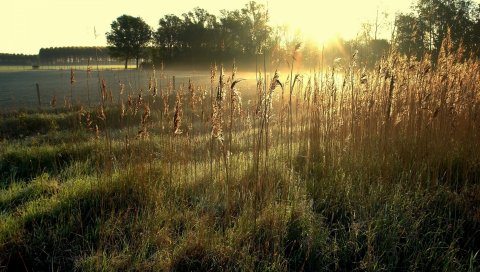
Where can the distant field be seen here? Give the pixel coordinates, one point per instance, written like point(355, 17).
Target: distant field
point(18, 89)
point(13, 68)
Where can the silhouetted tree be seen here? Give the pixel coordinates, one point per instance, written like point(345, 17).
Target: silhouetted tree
point(198, 36)
point(429, 24)
point(256, 21)
point(410, 39)
point(167, 36)
point(233, 33)
point(128, 38)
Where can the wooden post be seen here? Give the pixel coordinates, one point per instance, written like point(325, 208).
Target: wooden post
point(38, 95)
point(173, 82)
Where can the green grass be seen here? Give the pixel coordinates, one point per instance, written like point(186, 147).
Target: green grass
point(349, 184)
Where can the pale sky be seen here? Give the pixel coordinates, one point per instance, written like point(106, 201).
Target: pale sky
point(28, 25)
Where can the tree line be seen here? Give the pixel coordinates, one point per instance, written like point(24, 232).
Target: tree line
point(18, 59)
point(77, 55)
point(74, 55)
point(423, 29)
point(198, 36)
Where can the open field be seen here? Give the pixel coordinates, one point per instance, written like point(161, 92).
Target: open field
point(18, 89)
point(18, 68)
point(346, 169)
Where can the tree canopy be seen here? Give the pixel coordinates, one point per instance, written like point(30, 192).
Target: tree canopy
point(200, 36)
point(128, 37)
point(424, 28)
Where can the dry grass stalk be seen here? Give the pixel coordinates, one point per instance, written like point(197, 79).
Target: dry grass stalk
point(144, 122)
point(152, 84)
point(177, 118)
point(104, 90)
point(217, 109)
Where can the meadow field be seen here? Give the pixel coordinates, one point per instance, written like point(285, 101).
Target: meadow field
point(18, 83)
point(342, 168)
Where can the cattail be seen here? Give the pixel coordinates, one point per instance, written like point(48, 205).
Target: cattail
point(152, 84)
point(143, 132)
point(138, 103)
point(146, 114)
point(221, 85)
point(193, 97)
point(177, 118)
point(276, 81)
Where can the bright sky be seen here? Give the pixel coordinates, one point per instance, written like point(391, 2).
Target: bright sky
point(28, 25)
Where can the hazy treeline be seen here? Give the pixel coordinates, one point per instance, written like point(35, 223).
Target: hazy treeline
point(198, 36)
point(61, 56)
point(74, 55)
point(17, 59)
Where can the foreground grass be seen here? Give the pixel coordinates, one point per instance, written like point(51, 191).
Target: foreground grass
point(378, 173)
point(156, 216)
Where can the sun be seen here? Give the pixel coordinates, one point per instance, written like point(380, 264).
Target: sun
point(320, 36)
point(322, 21)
